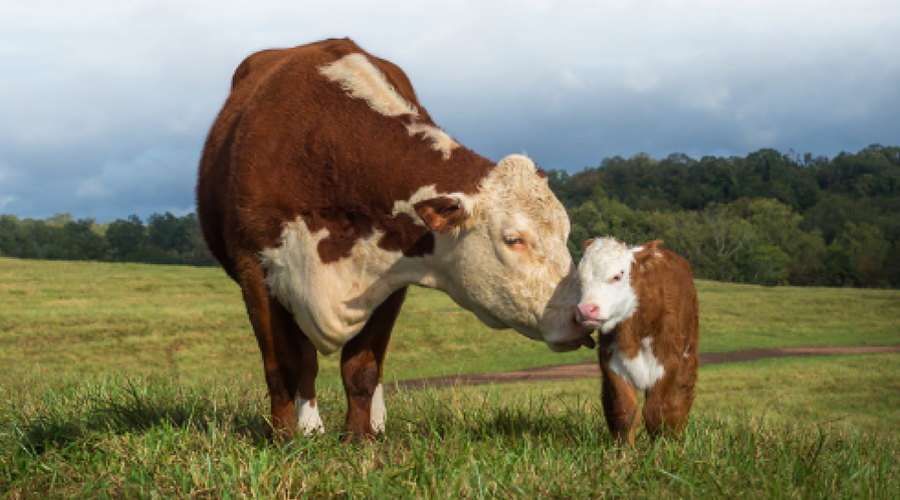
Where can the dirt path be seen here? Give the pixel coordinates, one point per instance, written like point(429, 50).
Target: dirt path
point(592, 370)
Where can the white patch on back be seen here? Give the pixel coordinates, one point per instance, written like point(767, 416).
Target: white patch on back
point(641, 371)
point(362, 80)
point(378, 412)
point(440, 140)
point(308, 419)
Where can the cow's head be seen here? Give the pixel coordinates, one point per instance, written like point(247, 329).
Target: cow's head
point(503, 255)
point(608, 294)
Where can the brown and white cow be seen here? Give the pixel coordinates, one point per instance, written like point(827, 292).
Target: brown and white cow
point(642, 299)
point(325, 189)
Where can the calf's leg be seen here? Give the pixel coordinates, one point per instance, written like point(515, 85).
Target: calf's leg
point(669, 401)
point(620, 403)
point(362, 364)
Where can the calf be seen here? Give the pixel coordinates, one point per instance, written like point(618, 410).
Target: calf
point(642, 299)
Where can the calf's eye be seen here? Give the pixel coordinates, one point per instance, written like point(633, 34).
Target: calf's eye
point(513, 240)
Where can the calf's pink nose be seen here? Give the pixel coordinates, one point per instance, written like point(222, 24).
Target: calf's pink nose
point(589, 312)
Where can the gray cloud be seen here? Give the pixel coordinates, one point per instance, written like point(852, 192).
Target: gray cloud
point(105, 105)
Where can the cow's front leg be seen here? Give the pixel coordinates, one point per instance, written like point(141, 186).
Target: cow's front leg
point(362, 363)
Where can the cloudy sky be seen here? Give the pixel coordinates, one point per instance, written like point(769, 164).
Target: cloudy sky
point(104, 104)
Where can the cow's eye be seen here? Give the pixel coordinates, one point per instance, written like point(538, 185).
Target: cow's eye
point(617, 278)
point(513, 240)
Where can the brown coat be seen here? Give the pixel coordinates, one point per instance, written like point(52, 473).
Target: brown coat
point(655, 349)
point(325, 188)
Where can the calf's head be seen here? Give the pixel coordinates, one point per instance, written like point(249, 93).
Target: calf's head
point(503, 255)
point(608, 294)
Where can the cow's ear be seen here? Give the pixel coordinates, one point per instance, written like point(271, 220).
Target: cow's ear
point(587, 244)
point(441, 214)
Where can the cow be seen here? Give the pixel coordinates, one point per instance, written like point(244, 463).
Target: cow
point(325, 189)
point(643, 302)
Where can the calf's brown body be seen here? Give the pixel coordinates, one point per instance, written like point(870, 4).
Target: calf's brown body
point(667, 322)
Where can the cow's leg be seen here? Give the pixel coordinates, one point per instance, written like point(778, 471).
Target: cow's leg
point(289, 358)
point(620, 404)
point(299, 364)
point(362, 362)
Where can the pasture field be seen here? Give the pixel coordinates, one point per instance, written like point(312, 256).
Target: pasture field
point(157, 437)
point(136, 381)
point(89, 317)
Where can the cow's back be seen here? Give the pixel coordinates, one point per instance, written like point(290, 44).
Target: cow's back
point(289, 143)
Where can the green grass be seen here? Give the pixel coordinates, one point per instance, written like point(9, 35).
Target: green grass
point(161, 438)
point(136, 381)
point(840, 392)
point(735, 317)
point(88, 317)
point(133, 318)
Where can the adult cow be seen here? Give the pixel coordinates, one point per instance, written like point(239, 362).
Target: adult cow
point(325, 189)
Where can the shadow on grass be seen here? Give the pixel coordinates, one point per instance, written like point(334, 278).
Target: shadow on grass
point(442, 414)
point(121, 406)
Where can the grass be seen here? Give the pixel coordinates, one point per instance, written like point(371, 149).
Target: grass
point(158, 438)
point(856, 393)
point(735, 317)
point(87, 317)
point(136, 381)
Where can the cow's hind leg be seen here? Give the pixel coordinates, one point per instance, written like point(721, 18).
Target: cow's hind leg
point(620, 404)
point(289, 359)
point(362, 363)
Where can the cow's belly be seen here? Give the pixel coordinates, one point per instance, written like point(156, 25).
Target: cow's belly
point(330, 302)
point(641, 371)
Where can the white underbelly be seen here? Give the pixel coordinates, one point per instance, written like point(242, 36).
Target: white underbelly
point(330, 302)
point(641, 371)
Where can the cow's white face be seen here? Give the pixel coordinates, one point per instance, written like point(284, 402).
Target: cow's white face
point(508, 262)
point(607, 296)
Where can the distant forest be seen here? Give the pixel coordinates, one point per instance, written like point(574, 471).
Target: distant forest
point(768, 218)
point(164, 239)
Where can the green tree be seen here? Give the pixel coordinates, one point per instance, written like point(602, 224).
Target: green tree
point(125, 237)
point(79, 241)
point(858, 256)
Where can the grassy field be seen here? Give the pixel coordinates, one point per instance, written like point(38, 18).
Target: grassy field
point(135, 381)
point(65, 317)
point(157, 438)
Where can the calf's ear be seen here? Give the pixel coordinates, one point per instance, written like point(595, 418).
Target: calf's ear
point(646, 251)
point(442, 213)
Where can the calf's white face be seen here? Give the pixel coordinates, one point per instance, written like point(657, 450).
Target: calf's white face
point(509, 263)
point(607, 296)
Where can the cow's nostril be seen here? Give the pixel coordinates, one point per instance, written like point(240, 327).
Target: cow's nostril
point(588, 312)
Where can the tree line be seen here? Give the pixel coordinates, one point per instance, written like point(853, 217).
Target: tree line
point(163, 239)
point(767, 218)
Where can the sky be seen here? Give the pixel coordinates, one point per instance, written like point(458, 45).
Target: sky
point(105, 104)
